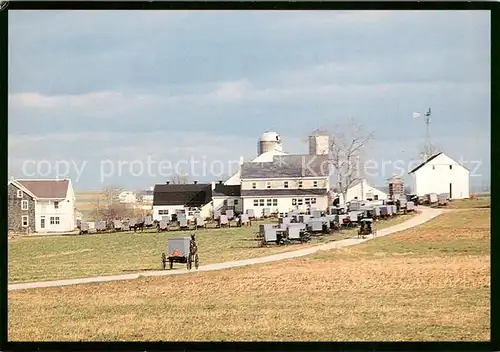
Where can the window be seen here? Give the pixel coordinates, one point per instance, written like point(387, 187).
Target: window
point(275, 202)
point(163, 212)
point(307, 201)
point(299, 201)
point(313, 200)
point(236, 202)
point(269, 202)
point(451, 167)
point(375, 197)
point(24, 221)
point(268, 184)
point(24, 205)
point(54, 220)
point(56, 205)
point(254, 185)
point(225, 202)
point(285, 184)
point(261, 202)
point(294, 201)
point(255, 202)
point(433, 167)
point(19, 193)
point(315, 184)
point(300, 184)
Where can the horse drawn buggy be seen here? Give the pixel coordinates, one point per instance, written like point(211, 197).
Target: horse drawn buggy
point(366, 227)
point(181, 250)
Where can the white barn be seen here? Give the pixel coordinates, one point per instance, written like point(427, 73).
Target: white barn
point(441, 174)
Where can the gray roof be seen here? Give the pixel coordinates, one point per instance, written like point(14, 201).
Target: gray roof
point(284, 192)
point(284, 166)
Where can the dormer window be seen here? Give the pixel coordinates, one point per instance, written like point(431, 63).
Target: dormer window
point(285, 184)
point(254, 185)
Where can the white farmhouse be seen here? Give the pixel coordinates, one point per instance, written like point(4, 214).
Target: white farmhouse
point(53, 202)
point(362, 190)
point(128, 197)
point(441, 174)
point(289, 182)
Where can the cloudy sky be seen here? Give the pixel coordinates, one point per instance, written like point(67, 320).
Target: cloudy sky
point(101, 94)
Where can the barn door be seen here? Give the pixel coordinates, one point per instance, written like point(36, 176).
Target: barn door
point(450, 192)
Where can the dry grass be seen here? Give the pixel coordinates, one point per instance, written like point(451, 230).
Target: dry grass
point(66, 257)
point(430, 283)
point(469, 203)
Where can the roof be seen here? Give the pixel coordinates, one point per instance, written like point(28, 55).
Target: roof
point(425, 162)
point(190, 195)
point(47, 189)
point(284, 192)
point(284, 166)
point(226, 190)
point(430, 159)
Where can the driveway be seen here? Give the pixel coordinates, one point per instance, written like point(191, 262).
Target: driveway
point(425, 215)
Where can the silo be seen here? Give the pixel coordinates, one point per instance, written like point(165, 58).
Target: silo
point(268, 142)
point(319, 144)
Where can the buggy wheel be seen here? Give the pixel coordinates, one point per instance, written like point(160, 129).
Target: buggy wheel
point(189, 262)
point(196, 261)
point(163, 261)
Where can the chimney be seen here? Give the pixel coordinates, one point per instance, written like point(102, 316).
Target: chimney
point(168, 182)
point(195, 182)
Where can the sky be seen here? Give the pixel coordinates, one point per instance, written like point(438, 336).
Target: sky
point(129, 98)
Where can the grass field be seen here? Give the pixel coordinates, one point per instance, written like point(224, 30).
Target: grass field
point(430, 283)
point(469, 203)
point(66, 257)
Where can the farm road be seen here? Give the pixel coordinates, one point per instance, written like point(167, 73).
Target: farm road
point(425, 215)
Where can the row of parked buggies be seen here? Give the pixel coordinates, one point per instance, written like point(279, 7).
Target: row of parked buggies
point(299, 228)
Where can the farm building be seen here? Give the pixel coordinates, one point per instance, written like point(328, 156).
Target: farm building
point(269, 145)
point(226, 197)
point(187, 198)
point(127, 197)
point(362, 190)
point(441, 174)
point(41, 205)
point(287, 183)
point(279, 181)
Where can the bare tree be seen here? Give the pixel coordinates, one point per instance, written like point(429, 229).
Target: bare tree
point(110, 194)
point(177, 179)
point(346, 154)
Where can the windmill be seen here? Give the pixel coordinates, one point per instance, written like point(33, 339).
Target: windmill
point(428, 149)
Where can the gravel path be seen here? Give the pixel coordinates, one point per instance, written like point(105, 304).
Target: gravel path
point(425, 215)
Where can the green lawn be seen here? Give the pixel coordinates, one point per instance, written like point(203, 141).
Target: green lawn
point(43, 258)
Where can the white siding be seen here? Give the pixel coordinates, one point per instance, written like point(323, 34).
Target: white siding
point(362, 192)
point(66, 213)
point(170, 208)
point(285, 204)
point(436, 177)
point(218, 202)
